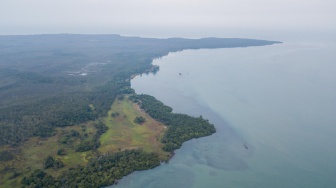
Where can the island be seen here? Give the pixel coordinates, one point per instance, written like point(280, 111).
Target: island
point(69, 118)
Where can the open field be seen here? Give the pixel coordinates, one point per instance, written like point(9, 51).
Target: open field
point(123, 133)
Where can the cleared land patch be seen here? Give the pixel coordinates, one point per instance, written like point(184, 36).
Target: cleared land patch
point(124, 133)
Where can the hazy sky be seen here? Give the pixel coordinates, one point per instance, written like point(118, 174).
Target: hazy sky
point(165, 17)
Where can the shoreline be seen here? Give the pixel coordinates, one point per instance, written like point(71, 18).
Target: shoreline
point(126, 78)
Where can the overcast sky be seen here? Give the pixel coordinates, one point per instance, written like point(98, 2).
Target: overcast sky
point(163, 18)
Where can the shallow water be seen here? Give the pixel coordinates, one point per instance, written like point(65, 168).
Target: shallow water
point(279, 101)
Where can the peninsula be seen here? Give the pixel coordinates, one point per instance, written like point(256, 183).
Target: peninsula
point(68, 117)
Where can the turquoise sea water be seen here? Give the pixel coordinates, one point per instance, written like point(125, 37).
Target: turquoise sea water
point(279, 101)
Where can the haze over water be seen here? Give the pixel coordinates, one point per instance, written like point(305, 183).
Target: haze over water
point(279, 101)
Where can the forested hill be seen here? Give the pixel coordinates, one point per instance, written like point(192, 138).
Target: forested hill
point(49, 81)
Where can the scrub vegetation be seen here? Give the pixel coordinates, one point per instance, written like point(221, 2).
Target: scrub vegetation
point(57, 125)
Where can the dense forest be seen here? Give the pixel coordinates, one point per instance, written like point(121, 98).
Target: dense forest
point(40, 117)
point(49, 82)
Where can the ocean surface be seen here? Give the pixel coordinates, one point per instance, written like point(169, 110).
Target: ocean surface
point(274, 108)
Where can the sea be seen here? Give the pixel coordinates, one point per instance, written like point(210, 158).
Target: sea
point(274, 108)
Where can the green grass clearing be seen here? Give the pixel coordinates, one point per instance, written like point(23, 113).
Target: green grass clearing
point(123, 133)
